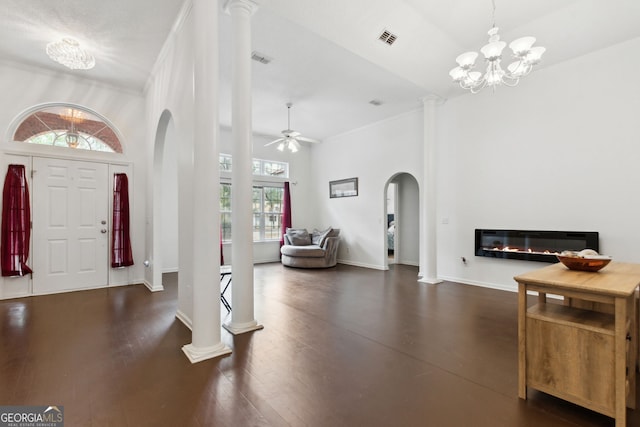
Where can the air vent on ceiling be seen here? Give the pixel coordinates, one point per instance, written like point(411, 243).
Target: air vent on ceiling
point(260, 57)
point(387, 37)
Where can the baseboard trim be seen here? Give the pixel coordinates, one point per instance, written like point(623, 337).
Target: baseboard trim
point(489, 285)
point(411, 263)
point(153, 288)
point(186, 321)
point(362, 264)
point(266, 260)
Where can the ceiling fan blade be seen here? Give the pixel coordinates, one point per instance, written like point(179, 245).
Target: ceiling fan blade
point(273, 142)
point(302, 138)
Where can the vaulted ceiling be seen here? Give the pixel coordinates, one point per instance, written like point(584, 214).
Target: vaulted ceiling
point(327, 59)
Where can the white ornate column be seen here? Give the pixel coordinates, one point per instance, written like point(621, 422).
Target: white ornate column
point(206, 334)
point(428, 223)
point(242, 313)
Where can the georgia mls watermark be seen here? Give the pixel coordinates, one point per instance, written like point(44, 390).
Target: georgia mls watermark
point(31, 416)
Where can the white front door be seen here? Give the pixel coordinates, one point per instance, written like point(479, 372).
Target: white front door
point(70, 225)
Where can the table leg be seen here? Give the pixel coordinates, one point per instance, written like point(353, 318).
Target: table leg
point(620, 361)
point(522, 337)
point(632, 312)
point(637, 335)
point(542, 298)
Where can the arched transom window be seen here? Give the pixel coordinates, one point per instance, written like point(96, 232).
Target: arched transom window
point(68, 126)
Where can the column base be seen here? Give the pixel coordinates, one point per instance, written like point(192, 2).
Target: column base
point(198, 354)
point(153, 288)
point(429, 280)
point(241, 328)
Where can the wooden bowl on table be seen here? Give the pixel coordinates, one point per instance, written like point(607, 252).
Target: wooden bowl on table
point(592, 264)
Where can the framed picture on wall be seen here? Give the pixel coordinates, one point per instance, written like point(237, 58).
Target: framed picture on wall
point(343, 188)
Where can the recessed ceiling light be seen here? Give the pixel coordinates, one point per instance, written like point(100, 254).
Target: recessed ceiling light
point(69, 53)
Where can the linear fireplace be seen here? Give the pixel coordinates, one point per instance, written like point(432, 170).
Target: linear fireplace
point(532, 245)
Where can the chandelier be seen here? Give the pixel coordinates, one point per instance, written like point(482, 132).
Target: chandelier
point(69, 53)
point(72, 116)
point(525, 57)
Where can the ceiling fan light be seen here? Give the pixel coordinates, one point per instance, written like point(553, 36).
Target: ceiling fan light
point(289, 139)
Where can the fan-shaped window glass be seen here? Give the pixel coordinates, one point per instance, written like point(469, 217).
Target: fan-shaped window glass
point(68, 126)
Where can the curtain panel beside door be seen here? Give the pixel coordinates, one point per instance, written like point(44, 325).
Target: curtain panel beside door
point(16, 223)
point(121, 254)
point(286, 212)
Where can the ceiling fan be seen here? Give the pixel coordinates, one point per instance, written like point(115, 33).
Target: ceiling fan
point(290, 138)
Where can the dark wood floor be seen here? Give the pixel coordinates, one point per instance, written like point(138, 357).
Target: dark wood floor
point(340, 347)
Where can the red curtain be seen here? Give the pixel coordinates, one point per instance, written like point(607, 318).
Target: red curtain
point(16, 223)
point(286, 212)
point(121, 255)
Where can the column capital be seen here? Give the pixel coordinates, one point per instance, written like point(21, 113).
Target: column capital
point(249, 5)
point(433, 99)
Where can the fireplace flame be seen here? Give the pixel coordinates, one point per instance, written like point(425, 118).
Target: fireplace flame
point(527, 250)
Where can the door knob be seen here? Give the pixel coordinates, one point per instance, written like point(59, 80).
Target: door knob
point(104, 230)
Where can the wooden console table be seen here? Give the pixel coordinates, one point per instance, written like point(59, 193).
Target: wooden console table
point(582, 349)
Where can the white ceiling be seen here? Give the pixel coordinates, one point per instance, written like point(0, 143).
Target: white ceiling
point(327, 59)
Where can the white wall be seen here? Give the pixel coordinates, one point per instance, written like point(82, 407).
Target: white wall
point(373, 154)
point(558, 152)
point(23, 87)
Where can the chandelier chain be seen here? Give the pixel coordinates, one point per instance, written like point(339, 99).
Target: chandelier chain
point(493, 2)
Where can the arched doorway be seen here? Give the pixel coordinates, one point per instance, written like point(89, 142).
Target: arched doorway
point(402, 229)
point(165, 203)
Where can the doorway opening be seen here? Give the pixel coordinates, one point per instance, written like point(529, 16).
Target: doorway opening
point(164, 255)
point(392, 190)
point(401, 228)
